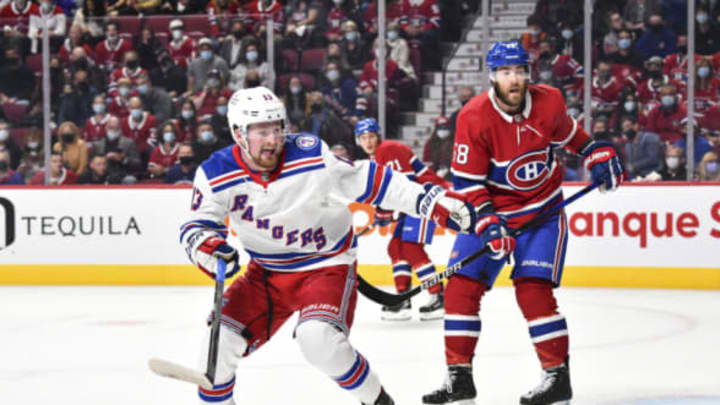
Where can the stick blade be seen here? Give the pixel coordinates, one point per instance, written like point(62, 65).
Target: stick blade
point(171, 370)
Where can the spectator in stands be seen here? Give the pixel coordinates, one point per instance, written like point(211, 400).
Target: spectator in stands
point(182, 48)
point(600, 129)
point(119, 7)
point(7, 143)
point(649, 90)
point(393, 13)
point(7, 175)
point(709, 168)
point(98, 173)
point(569, 164)
point(400, 51)
point(75, 38)
point(627, 63)
point(166, 153)
point(220, 13)
point(232, 48)
point(156, 99)
point(707, 33)
point(335, 53)
point(566, 71)
point(665, 118)
point(206, 142)
point(438, 150)
point(325, 123)
point(109, 53)
point(658, 40)
point(465, 94)
point(335, 17)
point(188, 7)
point(131, 71)
point(296, 101)
point(168, 75)
point(79, 60)
point(606, 89)
point(59, 175)
point(32, 160)
point(628, 107)
point(706, 87)
point(551, 13)
point(120, 152)
point(187, 123)
point(353, 46)
point(183, 172)
point(56, 24)
point(201, 66)
point(90, 17)
point(674, 165)
point(251, 60)
point(615, 23)
point(16, 16)
point(76, 103)
point(398, 84)
point(146, 45)
point(94, 127)
point(219, 121)
point(259, 10)
point(531, 39)
point(304, 21)
point(642, 151)
point(701, 146)
point(141, 127)
point(675, 65)
point(637, 12)
point(74, 150)
point(206, 100)
point(17, 80)
point(339, 90)
point(420, 21)
point(119, 104)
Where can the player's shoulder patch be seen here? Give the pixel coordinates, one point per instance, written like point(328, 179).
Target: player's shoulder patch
point(300, 146)
point(307, 142)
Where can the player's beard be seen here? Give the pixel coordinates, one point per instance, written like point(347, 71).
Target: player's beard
point(504, 96)
point(267, 160)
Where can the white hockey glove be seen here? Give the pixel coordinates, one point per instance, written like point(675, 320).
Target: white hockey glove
point(213, 249)
point(446, 208)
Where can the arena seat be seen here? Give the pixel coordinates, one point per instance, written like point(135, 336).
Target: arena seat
point(130, 25)
point(416, 60)
point(35, 62)
point(290, 60)
point(160, 23)
point(196, 22)
point(312, 60)
point(15, 113)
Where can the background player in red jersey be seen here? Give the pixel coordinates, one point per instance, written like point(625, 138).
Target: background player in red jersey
point(504, 163)
point(407, 246)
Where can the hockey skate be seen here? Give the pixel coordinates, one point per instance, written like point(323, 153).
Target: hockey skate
point(459, 388)
point(383, 399)
point(434, 309)
point(399, 312)
point(554, 389)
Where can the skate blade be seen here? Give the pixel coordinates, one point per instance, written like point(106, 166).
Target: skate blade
point(566, 402)
point(397, 316)
point(432, 316)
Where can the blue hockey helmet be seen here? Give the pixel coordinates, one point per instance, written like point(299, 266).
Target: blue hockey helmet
point(367, 125)
point(507, 53)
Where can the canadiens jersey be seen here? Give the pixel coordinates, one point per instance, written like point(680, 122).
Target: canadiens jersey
point(508, 162)
point(400, 158)
point(295, 218)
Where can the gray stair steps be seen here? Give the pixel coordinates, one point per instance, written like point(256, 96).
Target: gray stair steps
point(455, 78)
point(435, 91)
point(433, 105)
point(512, 7)
point(476, 35)
point(503, 22)
point(412, 132)
point(469, 49)
point(464, 64)
point(419, 119)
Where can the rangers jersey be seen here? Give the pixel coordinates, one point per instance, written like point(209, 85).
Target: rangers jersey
point(296, 217)
point(508, 162)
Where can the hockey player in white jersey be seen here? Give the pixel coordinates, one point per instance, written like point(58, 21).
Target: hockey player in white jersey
point(282, 196)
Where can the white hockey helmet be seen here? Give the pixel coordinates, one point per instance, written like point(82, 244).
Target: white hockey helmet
point(254, 106)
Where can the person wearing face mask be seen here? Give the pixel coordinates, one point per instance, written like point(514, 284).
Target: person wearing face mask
point(709, 167)
point(465, 93)
point(7, 143)
point(665, 118)
point(187, 121)
point(393, 12)
point(399, 50)
point(649, 89)
point(353, 45)
point(120, 151)
point(131, 71)
point(168, 75)
point(335, 17)
point(438, 150)
point(94, 128)
point(560, 70)
point(628, 107)
point(7, 175)
point(706, 87)
point(206, 100)
point(324, 122)
point(76, 38)
point(395, 78)
point(219, 121)
point(74, 150)
point(157, 99)
point(532, 37)
point(76, 102)
point(166, 153)
point(673, 164)
point(701, 145)
point(119, 104)
point(141, 127)
point(56, 22)
point(658, 40)
point(59, 175)
point(17, 80)
point(182, 48)
point(627, 63)
point(295, 100)
point(606, 89)
point(206, 142)
point(707, 33)
point(201, 66)
point(33, 157)
point(146, 44)
point(251, 60)
point(340, 91)
point(675, 65)
point(183, 172)
point(643, 153)
point(109, 53)
point(232, 47)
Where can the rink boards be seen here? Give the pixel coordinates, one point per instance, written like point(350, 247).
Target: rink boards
point(643, 235)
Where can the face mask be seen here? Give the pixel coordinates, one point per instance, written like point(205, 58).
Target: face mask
point(180, 7)
point(251, 83)
point(630, 134)
point(573, 112)
point(672, 162)
point(295, 89)
point(4, 166)
point(67, 138)
point(206, 54)
point(338, 2)
point(187, 114)
point(682, 49)
point(601, 136)
point(33, 145)
point(177, 34)
point(136, 113)
point(131, 64)
point(123, 91)
point(222, 109)
point(567, 34)
point(113, 134)
point(169, 137)
point(392, 35)
point(4, 135)
point(112, 37)
point(377, 54)
point(46, 7)
point(98, 108)
point(351, 36)
point(703, 71)
point(213, 82)
point(546, 75)
point(251, 56)
point(316, 108)
point(332, 75)
point(534, 32)
point(186, 160)
point(624, 43)
point(668, 101)
point(544, 55)
point(654, 74)
point(443, 133)
point(206, 136)
point(629, 106)
point(604, 74)
point(237, 34)
point(711, 167)
point(702, 18)
point(143, 89)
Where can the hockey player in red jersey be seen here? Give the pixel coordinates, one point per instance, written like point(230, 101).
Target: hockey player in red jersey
point(504, 163)
point(406, 248)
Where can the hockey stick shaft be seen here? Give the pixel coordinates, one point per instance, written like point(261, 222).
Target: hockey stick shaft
point(215, 327)
point(385, 298)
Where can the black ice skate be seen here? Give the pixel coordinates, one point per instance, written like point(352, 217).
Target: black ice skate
point(383, 399)
point(399, 312)
point(459, 388)
point(554, 389)
point(434, 309)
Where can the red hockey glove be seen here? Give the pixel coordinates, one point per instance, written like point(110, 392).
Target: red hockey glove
point(214, 249)
point(446, 208)
point(492, 232)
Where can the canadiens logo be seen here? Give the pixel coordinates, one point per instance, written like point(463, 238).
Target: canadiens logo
point(306, 142)
point(528, 171)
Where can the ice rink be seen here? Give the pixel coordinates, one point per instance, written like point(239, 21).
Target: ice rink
point(90, 345)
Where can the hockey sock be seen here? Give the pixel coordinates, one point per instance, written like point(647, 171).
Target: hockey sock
point(547, 327)
point(231, 349)
point(425, 272)
point(219, 392)
point(402, 272)
point(462, 319)
point(421, 263)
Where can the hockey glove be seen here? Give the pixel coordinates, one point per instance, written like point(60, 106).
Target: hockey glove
point(383, 217)
point(212, 250)
point(446, 208)
point(604, 165)
point(492, 232)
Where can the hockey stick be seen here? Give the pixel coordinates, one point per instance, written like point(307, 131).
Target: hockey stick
point(178, 372)
point(385, 298)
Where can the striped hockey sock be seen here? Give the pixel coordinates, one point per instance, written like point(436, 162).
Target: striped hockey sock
point(401, 275)
point(220, 393)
